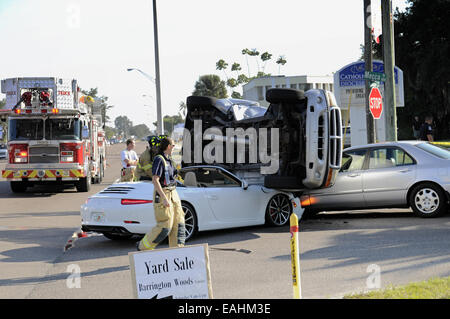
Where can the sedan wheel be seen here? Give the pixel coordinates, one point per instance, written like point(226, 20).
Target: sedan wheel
point(278, 210)
point(427, 200)
point(190, 220)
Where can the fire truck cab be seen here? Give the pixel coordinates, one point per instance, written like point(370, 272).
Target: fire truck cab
point(55, 135)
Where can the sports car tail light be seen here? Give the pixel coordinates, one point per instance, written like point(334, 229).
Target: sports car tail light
point(135, 201)
point(131, 222)
point(18, 154)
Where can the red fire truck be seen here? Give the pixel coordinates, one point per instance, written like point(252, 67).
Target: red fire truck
point(55, 134)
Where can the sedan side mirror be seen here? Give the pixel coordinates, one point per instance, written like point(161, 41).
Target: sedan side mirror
point(244, 185)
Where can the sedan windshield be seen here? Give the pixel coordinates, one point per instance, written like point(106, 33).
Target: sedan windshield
point(435, 150)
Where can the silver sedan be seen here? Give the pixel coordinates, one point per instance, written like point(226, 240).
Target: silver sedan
point(412, 174)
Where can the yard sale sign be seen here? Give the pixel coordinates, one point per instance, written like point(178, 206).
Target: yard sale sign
point(175, 273)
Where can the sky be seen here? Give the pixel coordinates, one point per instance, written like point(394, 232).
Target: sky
point(95, 41)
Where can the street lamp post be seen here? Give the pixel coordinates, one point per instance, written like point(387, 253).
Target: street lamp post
point(159, 126)
point(160, 129)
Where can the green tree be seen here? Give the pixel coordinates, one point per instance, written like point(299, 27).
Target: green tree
point(93, 92)
point(221, 65)
point(240, 78)
point(140, 130)
point(182, 108)
point(171, 121)
point(281, 61)
point(110, 132)
point(422, 51)
point(246, 52)
point(123, 125)
point(266, 56)
point(210, 85)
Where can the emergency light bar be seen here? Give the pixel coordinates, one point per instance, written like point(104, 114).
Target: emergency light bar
point(32, 111)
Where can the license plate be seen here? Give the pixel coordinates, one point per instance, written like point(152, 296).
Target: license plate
point(98, 217)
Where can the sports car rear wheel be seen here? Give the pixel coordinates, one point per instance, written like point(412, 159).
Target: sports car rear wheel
point(278, 210)
point(190, 220)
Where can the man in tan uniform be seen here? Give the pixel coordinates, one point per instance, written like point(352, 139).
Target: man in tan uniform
point(169, 214)
point(129, 160)
point(144, 166)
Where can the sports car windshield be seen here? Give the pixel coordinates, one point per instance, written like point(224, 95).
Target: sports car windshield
point(435, 150)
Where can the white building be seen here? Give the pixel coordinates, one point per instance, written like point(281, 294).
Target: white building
point(256, 89)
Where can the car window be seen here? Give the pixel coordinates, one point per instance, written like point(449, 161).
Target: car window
point(388, 157)
point(215, 178)
point(205, 177)
point(401, 157)
point(435, 150)
point(352, 160)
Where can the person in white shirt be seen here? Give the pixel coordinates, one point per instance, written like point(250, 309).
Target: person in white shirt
point(129, 160)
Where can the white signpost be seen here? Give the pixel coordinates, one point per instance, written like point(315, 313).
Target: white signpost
point(175, 273)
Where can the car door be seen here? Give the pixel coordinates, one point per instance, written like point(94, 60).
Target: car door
point(347, 189)
point(389, 173)
point(229, 202)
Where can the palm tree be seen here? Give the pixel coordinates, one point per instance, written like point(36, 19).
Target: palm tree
point(281, 61)
point(266, 56)
point(182, 108)
point(221, 65)
point(255, 53)
point(247, 52)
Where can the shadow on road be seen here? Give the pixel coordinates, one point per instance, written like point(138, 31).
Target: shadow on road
point(378, 237)
point(35, 191)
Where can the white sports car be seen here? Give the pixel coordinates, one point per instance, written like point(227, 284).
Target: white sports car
point(212, 198)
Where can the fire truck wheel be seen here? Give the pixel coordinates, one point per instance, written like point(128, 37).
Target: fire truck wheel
point(18, 187)
point(84, 184)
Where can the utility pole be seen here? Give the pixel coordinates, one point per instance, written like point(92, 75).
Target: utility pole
point(390, 114)
point(368, 67)
point(159, 122)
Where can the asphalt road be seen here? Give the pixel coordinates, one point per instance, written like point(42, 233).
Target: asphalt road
point(339, 251)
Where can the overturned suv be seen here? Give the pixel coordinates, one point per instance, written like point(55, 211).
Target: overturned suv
point(294, 144)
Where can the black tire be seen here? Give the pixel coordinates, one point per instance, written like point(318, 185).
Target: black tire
point(18, 187)
point(428, 200)
point(278, 210)
point(196, 101)
point(284, 95)
point(117, 236)
point(282, 182)
point(84, 184)
point(190, 220)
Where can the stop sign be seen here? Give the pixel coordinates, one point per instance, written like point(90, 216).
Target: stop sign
point(375, 103)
